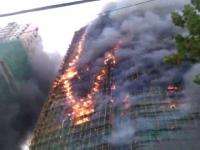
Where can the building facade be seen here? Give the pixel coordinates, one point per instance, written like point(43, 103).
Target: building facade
point(147, 119)
point(16, 42)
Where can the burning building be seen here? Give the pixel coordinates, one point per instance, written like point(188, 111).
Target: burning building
point(114, 91)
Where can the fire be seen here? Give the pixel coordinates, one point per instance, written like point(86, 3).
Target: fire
point(82, 108)
point(70, 73)
point(172, 106)
point(172, 88)
point(110, 57)
point(81, 111)
point(98, 80)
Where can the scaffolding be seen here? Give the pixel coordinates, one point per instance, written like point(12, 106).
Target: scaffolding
point(155, 114)
point(8, 76)
point(161, 125)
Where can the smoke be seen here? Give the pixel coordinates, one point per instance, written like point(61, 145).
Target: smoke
point(146, 34)
point(192, 89)
point(122, 134)
point(20, 110)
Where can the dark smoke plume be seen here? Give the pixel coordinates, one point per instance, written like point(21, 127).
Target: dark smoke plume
point(20, 110)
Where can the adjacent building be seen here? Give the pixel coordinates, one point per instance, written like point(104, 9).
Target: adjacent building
point(16, 42)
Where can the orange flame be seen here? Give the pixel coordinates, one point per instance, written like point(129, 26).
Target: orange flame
point(82, 108)
point(97, 82)
point(70, 73)
point(79, 107)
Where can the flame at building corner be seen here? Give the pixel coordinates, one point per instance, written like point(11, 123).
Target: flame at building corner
point(80, 107)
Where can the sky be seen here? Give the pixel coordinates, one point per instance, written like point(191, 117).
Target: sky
point(56, 26)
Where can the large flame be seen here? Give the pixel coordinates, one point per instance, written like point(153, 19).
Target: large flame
point(81, 108)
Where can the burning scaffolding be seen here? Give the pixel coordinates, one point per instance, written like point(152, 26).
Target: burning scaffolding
point(71, 121)
point(115, 92)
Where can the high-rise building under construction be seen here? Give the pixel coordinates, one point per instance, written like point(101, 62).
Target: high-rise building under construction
point(21, 81)
point(15, 46)
point(88, 110)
